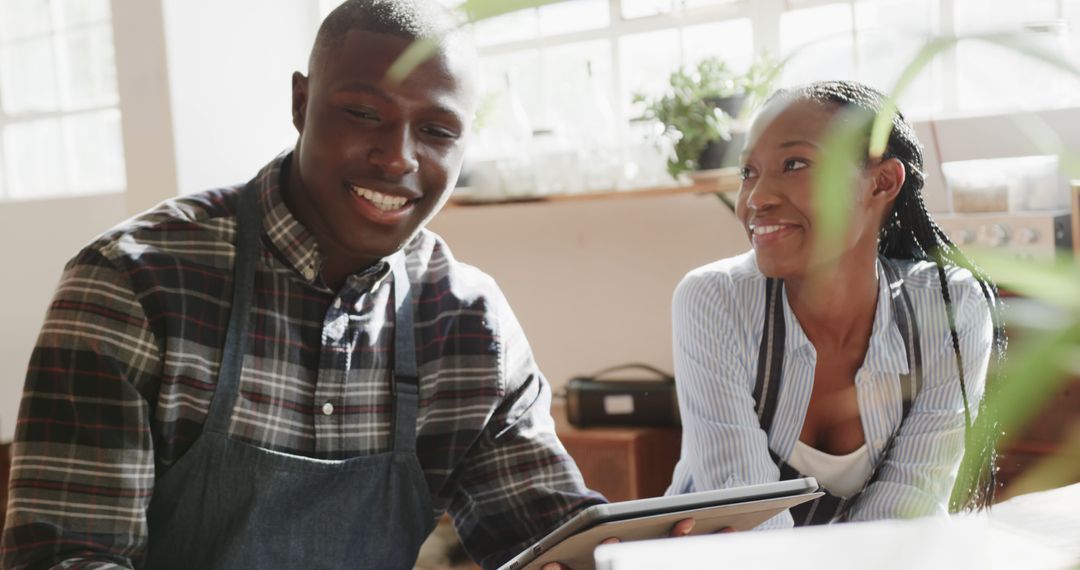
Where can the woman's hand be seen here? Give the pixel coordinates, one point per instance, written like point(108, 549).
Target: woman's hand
point(681, 528)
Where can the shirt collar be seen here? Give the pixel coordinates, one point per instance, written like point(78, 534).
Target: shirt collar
point(293, 242)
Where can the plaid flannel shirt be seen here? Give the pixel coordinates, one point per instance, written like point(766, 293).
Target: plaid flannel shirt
point(120, 382)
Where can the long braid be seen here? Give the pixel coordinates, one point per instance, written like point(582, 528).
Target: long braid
point(909, 232)
point(925, 240)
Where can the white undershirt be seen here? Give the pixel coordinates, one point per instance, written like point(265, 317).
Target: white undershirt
point(842, 475)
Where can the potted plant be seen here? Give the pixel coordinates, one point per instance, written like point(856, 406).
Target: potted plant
point(698, 110)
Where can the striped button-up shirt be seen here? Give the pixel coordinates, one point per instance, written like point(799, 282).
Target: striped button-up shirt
point(718, 311)
point(122, 375)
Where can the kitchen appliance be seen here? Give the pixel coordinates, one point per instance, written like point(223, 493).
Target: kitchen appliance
point(623, 398)
point(1033, 235)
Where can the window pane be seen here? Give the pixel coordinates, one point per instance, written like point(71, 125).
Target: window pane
point(520, 71)
point(643, 8)
point(3, 179)
point(88, 70)
point(573, 16)
point(34, 157)
point(981, 85)
point(822, 43)
point(981, 16)
point(81, 12)
point(691, 4)
point(890, 33)
point(95, 152)
point(578, 77)
point(517, 25)
point(732, 41)
point(647, 62)
point(28, 77)
point(23, 18)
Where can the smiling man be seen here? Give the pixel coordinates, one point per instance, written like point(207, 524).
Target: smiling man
point(293, 373)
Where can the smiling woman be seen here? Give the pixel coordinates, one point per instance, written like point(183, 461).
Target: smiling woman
point(863, 367)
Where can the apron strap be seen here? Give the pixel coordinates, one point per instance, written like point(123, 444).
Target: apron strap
point(770, 355)
point(404, 382)
point(829, 507)
point(248, 231)
point(910, 383)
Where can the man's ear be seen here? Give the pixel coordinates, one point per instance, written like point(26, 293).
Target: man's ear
point(889, 177)
point(299, 100)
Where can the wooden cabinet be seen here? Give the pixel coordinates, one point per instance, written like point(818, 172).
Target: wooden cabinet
point(622, 463)
point(1044, 448)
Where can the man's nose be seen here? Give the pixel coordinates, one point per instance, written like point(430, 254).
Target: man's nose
point(394, 152)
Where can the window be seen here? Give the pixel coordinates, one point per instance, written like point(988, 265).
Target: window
point(59, 117)
point(571, 69)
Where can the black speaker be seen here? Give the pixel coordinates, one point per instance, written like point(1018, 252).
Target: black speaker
point(624, 398)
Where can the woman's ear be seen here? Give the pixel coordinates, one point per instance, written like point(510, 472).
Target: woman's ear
point(889, 177)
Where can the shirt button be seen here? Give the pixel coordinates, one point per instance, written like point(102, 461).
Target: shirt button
point(328, 409)
point(309, 273)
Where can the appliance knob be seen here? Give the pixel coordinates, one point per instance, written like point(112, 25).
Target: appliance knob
point(1029, 236)
point(996, 235)
point(964, 237)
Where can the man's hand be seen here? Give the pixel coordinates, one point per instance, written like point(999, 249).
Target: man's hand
point(681, 528)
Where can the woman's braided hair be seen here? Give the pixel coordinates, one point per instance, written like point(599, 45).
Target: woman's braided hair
point(909, 232)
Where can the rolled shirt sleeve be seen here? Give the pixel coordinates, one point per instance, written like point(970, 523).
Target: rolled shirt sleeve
point(723, 443)
point(518, 482)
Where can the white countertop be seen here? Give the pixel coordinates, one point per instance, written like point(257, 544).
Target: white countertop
point(1036, 531)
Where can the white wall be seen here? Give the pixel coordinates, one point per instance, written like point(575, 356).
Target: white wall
point(230, 66)
point(591, 282)
point(38, 237)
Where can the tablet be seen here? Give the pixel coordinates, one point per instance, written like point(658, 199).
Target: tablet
point(741, 508)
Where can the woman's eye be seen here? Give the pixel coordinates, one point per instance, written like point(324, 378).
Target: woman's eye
point(746, 173)
point(795, 164)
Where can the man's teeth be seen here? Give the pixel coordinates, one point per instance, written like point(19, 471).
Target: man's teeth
point(384, 202)
point(762, 230)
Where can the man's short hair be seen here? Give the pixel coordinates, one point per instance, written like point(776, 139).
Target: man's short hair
point(413, 19)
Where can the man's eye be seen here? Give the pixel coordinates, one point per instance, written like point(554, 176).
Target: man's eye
point(795, 164)
point(362, 114)
point(439, 132)
point(746, 173)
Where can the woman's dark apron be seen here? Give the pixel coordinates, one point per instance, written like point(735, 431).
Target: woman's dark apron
point(228, 504)
point(829, 508)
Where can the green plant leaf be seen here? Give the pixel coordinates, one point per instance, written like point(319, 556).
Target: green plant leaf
point(471, 11)
point(1057, 284)
point(834, 179)
point(476, 10)
point(415, 55)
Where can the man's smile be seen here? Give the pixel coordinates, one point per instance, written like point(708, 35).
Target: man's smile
point(383, 201)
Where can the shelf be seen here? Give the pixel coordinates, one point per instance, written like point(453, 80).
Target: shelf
point(719, 181)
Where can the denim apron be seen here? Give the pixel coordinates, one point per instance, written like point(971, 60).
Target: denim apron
point(228, 504)
point(829, 508)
